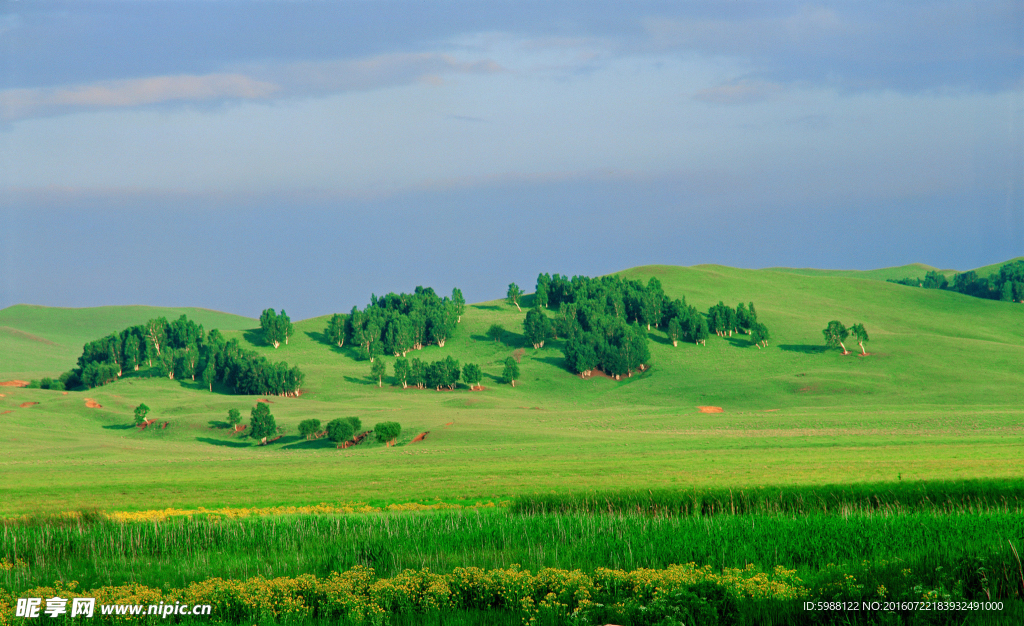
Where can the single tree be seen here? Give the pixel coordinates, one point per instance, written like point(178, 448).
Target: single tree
point(140, 414)
point(210, 373)
point(674, 330)
point(460, 304)
point(402, 371)
point(271, 328)
point(536, 327)
point(386, 431)
point(861, 334)
point(308, 428)
point(495, 332)
point(339, 430)
point(377, 370)
point(234, 417)
point(835, 333)
point(513, 295)
point(261, 422)
point(284, 326)
point(759, 334)
point(700, 330)
point(471, 375)
point(417, 373)
point(335, 331)
point(511, 371)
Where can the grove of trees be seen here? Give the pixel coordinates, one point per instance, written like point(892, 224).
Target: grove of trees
point(443, 373)
point(398, 323)
point(1007, 285)
point(182, 349)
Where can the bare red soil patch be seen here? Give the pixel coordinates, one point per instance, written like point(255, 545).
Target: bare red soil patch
point(710, 409)
point(421, 437)
point(25, 405)
point(478, 388)
point(865, 354)
point(145, 424)
point(238, 428)
point(449, 424)
point(264, 400)
point(6, 412)
point(165, 425)
point(63, 393)
point(92, 404)
point(14, 383)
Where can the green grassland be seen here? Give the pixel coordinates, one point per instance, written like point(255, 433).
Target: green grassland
point(938, 398)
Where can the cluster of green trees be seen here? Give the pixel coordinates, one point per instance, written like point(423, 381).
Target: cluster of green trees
point(1007, 285)
point(276, 328)
point(604, 321)
point(398, 323)
point(181, 349)
point(443, 373)
point(836, 333)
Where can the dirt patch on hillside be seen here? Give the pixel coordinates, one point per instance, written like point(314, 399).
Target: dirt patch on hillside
point(14, 383)
point(710, 409)
point(449, 424)
point(264, 400)
point(6, 412)
point(478, 388)
point(25, 405)
point(92, 404)
point(421, 437)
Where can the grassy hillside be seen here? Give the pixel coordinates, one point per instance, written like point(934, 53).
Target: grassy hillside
point(937, 398)
point(38, 341)
point(914, 270)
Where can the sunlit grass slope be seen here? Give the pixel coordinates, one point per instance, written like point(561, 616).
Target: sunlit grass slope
point(937, 398)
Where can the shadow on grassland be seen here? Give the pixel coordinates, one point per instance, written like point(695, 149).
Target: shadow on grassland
point(316, 444)
point(224, 444)
point(804, 348)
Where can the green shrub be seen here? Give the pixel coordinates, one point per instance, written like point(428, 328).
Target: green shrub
point(340, 429)
point(386, 431)
point(357, 425)
point(309, 427)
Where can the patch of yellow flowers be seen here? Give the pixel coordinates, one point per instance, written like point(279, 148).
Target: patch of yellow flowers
point(357, 596)
point(162, 515)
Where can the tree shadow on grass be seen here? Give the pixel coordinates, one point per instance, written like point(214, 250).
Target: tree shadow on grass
point(659, 338)
point(322, 339)
point(740, 341)
point(218, 424)
point(223, 443)
point(804, 348)
point(557, 361)
point(361, 381)
point(316, 444)
point(485, 307)
point(255, 337)
point(119, 426)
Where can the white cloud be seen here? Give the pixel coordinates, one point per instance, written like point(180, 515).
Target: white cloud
point(261, 82)
point(740, 92)
point(22, 103)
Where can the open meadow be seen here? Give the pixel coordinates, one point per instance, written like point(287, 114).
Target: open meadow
point(919, 446)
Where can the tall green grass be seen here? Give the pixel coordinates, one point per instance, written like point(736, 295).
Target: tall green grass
point(964, 552)
point(970, 496)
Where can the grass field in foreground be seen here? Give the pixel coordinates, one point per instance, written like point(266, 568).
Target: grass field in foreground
point(937, 399)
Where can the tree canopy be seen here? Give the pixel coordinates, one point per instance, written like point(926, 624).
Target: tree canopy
point(835, 334)
point(261, 423)
point(276, 328)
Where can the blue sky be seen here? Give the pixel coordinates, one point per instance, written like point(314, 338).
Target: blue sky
point(244, 155)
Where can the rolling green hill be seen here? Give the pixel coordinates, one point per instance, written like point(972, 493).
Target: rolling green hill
point(937, 398)
point(914, 270)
